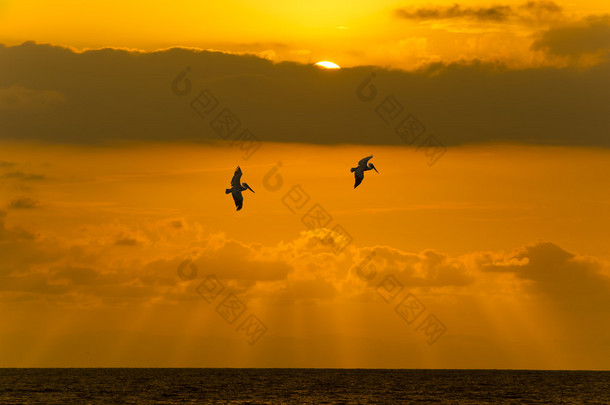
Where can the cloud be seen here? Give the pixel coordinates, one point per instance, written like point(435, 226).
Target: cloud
point(590, 35)
point(177, 223)
point(236, 261)
point(21, 251)
point(24, 203)
point(303, 270)
point(126, 242)
point(571, 280)
point(19, 175)
point(17, 98)
point(530, 11)
point(288, 102)
point(494, 13)
point(4, 163)
point(10, 235)
point(304, 280)
point(428, 268)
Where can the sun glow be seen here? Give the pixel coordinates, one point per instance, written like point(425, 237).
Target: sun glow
point(328, 65)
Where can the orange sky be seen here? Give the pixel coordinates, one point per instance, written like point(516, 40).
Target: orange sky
point(349, 33)
point(119, 247)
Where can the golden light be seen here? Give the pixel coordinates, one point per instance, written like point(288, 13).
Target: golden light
point(328, 65)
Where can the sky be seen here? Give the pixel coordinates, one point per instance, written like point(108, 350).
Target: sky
point(481, 243)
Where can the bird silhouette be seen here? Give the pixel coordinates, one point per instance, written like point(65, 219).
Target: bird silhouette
point(362, 167)
point(237, 187)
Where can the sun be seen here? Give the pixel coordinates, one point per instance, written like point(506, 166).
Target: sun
point(328, 65)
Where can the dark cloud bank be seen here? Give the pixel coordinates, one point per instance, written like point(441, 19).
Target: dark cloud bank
point(531, 10)
point(52, 94)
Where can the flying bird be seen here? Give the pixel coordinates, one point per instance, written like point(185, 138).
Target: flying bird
point(237, 187)
point(362, 167)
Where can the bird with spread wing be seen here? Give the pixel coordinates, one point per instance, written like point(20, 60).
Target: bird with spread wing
point(363, 166)
point(237, 187)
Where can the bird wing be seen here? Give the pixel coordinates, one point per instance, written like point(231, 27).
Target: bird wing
point(359, 176)
point(236, 180)
point(363, 162)
point(239, 199)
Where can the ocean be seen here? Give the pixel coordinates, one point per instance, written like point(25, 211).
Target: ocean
point(300, 386)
